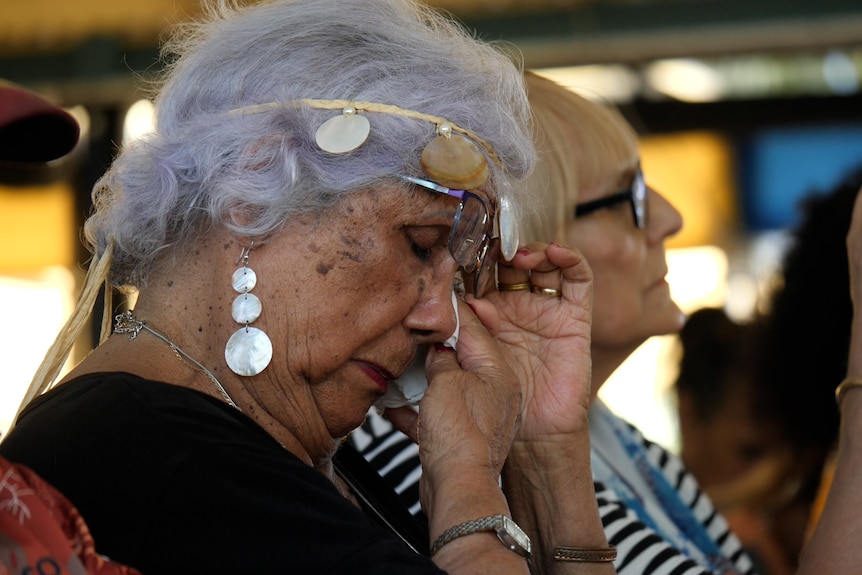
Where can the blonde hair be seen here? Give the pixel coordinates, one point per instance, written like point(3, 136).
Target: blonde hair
point(581, 144)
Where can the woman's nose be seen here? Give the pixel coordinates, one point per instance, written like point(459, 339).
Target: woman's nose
point(433, 317)
point(664, 219)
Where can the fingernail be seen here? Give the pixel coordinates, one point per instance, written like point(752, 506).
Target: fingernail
point(440, 346)
point(525, 251)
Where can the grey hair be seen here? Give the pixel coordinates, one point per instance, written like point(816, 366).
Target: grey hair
point(251, 172)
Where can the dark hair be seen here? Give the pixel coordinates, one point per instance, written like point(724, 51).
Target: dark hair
point(713, 347)
point(807, 326)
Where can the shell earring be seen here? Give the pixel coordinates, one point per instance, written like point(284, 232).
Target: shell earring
point(249, 349)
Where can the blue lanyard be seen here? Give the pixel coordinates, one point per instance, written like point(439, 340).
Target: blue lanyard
point(680, 513)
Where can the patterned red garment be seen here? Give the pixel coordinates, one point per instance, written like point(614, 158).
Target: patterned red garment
point(42, 533)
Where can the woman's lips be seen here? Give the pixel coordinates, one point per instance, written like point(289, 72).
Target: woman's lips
point(661, 281)
point(377, 373)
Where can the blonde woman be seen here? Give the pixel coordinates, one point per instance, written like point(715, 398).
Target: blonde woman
point(588, 191)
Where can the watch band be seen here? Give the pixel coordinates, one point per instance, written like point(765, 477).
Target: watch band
point(507, 531)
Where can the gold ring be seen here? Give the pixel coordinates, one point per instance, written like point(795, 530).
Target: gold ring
point(547, 291)
point(514, 287)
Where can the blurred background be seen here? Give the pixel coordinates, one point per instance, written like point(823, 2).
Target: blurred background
point(743, 108)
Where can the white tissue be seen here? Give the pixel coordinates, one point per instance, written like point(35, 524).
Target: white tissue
point(410, 387)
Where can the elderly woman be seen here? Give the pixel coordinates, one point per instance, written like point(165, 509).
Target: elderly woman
point(591, 193)
point(293, 228)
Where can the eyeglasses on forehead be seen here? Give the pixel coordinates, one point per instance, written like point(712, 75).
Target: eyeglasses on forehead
point(636, 194)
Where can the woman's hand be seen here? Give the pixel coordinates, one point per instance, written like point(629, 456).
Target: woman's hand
point(546, 339)
point(470, 411)
point(465, 427)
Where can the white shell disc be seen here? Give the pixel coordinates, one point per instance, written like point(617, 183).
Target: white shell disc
point(248, 351)
point(244, 279)
point(343, 133)
point(246, 308)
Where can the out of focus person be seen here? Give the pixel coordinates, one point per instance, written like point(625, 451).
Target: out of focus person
point(40, 530)
point(590, 191)
point(730, 440)
point(764, 466)
point(803, 352)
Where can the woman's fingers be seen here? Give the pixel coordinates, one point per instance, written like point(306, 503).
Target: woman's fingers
point(545, 269)
point(405, 420)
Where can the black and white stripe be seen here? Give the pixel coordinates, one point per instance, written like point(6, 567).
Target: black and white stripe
point(641, 550)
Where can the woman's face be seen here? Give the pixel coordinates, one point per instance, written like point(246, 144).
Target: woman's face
point(631, 300)
point(351, 294)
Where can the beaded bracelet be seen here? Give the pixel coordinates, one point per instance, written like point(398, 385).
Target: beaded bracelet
point(586, 554)
point(844, 387)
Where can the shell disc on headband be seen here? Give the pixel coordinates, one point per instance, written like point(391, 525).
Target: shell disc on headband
point(455, 162)
point(343, 133)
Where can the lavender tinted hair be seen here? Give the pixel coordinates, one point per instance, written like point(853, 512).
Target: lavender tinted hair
point(252, 172)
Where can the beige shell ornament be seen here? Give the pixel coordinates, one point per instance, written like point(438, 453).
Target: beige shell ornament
point(454, 161)
point(343, 133)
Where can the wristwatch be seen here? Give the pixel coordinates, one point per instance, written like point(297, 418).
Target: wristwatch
point(507, 531)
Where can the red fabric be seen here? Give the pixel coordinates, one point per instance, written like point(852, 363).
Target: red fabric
point(42, 533)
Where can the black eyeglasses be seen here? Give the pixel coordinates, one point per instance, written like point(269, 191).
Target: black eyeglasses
point(470, 240)
point(636, 195)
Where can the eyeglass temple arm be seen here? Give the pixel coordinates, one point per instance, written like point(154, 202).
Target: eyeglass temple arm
point(433, 186)
point(589, 207)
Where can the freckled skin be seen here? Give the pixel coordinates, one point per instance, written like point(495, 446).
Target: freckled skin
point(351, 256)
point(330, 310)
point(337, 336)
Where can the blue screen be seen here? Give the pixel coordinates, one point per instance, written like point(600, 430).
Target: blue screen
point(781, 166)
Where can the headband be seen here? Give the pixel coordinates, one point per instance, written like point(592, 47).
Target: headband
point(452, 159)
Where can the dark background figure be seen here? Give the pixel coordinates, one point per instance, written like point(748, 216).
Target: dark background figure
point(732, 445)
point(758, 419)
point(803, 353)
point(722, 436)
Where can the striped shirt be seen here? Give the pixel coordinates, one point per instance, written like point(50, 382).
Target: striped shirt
point(641, 548)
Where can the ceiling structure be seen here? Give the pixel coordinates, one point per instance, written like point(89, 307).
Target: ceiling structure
point(99, 52)
point(550, 32)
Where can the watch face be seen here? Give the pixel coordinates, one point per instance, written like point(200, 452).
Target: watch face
point(517, 539)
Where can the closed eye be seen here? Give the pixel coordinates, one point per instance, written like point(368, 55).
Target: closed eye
point(423, 240)
point(424, 254)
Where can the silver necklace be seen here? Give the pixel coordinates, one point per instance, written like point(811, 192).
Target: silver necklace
point(127, 323)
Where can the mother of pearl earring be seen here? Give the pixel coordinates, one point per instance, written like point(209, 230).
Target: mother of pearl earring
point(249, 349)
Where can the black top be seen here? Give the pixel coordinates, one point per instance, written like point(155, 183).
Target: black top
point(170, 480)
